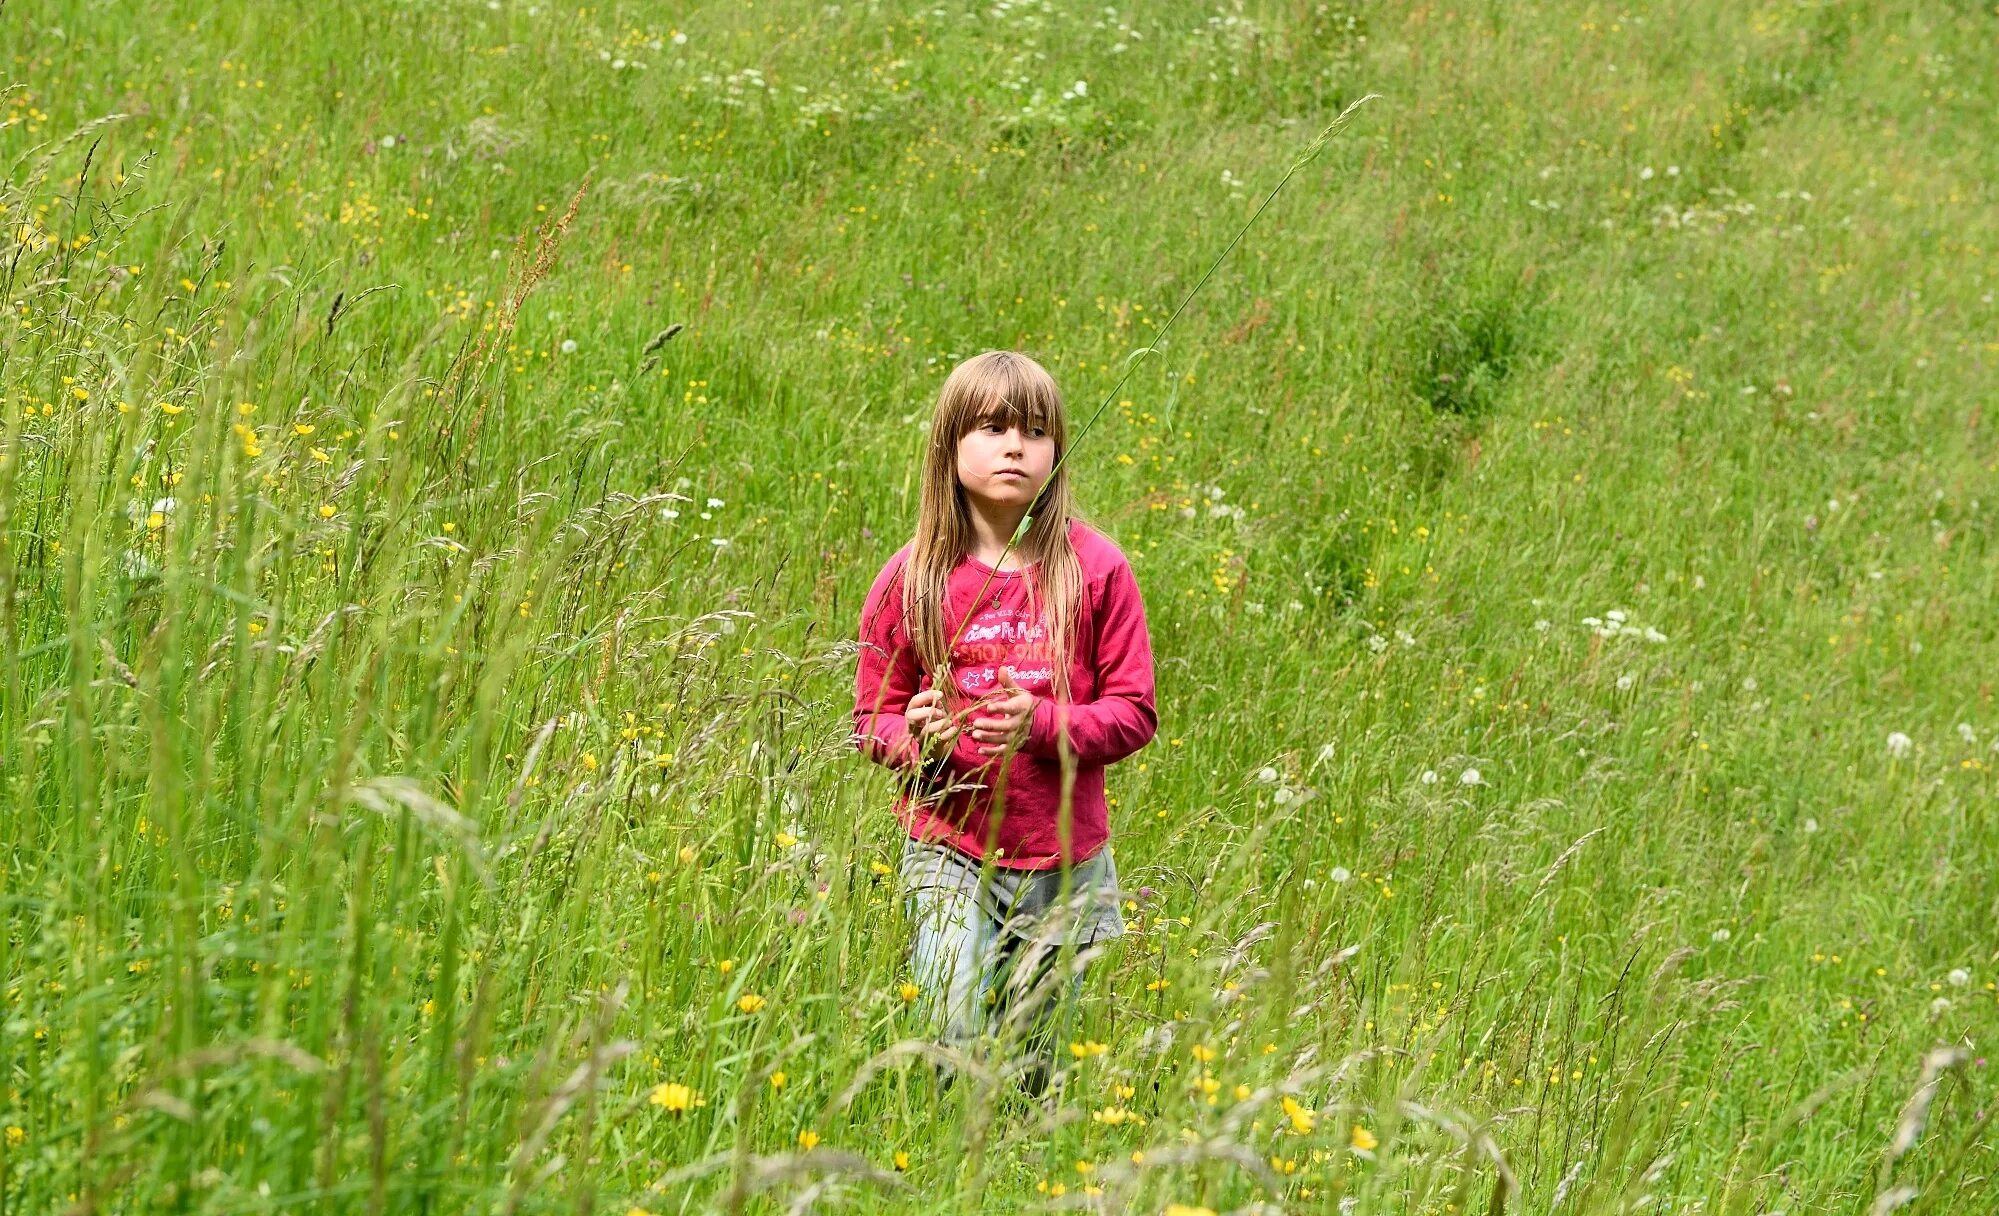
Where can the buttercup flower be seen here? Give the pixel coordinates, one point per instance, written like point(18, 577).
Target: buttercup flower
point(673, 1096)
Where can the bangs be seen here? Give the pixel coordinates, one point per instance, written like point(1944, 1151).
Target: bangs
point(1000, 387)
point(1026, 409)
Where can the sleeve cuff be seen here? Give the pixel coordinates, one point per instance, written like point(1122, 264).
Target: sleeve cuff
point(1041, 737)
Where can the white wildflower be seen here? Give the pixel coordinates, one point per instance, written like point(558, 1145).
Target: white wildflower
point(1468, 777)
point(1964, 730)
point(1623, 682)
point(1429, 776)
point(569, 346)
point(1340, 874)
point(1958, 977)
point(1720, 935)
point(1266, 774)
point(1899, 744)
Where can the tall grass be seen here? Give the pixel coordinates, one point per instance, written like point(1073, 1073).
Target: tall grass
point(443, 459)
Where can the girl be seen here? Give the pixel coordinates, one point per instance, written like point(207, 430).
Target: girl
point(998, 684)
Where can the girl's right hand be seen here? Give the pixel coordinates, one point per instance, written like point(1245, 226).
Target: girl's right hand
point(935, 728)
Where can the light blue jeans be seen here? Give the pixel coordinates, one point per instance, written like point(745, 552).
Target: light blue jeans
point(988, 955)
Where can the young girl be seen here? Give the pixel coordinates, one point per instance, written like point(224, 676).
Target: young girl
point(1046, 672)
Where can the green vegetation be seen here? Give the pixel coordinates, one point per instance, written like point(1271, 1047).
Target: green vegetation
point(1566, 523)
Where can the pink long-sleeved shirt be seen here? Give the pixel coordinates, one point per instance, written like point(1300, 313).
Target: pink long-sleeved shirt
point(1112, 713)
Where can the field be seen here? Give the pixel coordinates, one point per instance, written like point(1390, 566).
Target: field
point(446, 445)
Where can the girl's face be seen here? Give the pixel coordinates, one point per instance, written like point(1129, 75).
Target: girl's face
point(1005, 462)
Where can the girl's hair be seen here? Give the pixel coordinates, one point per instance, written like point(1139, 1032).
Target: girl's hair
point(1003, 386)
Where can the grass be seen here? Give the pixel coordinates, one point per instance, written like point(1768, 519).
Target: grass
point(1565, 523)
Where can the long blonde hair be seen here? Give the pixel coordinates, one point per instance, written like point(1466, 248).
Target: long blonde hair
point(1009, 387)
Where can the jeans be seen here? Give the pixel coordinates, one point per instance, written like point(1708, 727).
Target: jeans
point(988, 954)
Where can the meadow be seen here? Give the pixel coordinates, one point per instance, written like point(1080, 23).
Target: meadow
point(446, 445)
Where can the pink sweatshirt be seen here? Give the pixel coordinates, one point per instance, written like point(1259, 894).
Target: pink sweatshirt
point(1112, 715)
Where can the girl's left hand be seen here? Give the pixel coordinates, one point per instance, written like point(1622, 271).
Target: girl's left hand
point(1015, 711)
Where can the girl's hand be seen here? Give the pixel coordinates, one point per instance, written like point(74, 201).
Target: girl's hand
point(1015, 712)
point(936, 730)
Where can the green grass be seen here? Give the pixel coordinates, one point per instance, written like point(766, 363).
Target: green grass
point(380, 815)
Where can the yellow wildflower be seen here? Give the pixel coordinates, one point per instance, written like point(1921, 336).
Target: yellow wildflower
point(673, 1096)
point(1301, 1117)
